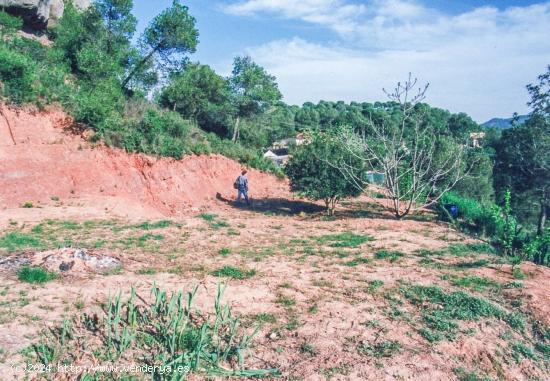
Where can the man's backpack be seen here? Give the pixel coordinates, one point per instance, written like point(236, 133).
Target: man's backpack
point(236, 184)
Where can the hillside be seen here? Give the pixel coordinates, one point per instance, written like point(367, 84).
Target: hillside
point(46, 161)
point(503, 123)
point(360, 297)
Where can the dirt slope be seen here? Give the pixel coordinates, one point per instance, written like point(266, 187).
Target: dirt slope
point(40, 159)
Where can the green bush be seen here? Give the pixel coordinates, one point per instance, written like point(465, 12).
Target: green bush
point(17, 76)
point(474, 216)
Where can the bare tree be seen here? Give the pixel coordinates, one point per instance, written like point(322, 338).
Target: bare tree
point(419, 164)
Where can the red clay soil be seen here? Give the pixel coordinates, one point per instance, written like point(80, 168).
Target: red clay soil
point(41, 158)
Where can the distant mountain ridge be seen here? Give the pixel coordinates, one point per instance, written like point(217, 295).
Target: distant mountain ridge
point(503, 123)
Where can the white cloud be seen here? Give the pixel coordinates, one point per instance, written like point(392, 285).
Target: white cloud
point(336, 14)
point(478, 62)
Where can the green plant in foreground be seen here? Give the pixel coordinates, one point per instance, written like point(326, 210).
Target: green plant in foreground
point(31, 274)
point(166, 332)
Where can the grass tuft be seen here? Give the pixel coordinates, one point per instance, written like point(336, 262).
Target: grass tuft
point(233, 272)
point(346, 239)
point(391, 255)
point(35, 275)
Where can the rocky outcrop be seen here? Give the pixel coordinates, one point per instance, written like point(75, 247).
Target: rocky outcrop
point(39, 14)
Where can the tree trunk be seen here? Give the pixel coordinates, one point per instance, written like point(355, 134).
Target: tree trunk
point(236, 130)
point(542, 218)
point(139, 66)
point(327, 206)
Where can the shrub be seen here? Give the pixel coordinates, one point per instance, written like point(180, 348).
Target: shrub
point(17, 76)
point(475, 216)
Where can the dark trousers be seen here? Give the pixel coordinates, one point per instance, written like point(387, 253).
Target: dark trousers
point(242, 192)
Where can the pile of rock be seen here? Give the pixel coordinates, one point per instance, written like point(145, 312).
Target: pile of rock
point(64, 261)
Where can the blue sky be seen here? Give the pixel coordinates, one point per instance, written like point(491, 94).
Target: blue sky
point(477, 55)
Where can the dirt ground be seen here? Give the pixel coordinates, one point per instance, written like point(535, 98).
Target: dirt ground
point(332, 297)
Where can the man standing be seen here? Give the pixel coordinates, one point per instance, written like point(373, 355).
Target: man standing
point(241, 184)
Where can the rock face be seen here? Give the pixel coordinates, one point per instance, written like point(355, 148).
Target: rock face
point(39, 14)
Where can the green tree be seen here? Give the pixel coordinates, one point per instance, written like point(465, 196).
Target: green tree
point(170, 36)
point(419, 158)
point(523, 160)
point(523, 164)
point(540, 95)
point(119, 22)
point(198, 93)
point(314, 171)
point(253, 89)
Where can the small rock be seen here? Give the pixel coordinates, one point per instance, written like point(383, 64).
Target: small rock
point(81, 254)
point(66, 266)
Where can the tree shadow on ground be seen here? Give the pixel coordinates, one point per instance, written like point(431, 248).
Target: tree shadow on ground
point(348, 209)
point(276, 206)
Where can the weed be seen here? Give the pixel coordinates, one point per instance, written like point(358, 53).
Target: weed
point(79, 304)
point(17, 240)
point(313, 309)
point(374, 285)
point(167, 332)
point(308, 348)
point(516, 320)
point(224, 252)
point(471, 264)
point(265, 318)
point(28, 205)
point(155, 225)
point(234, 272)
point(147, 271)
point(544, 349)
point(391, 255)
point(475, 282)
point(520, 351)
point(213, 221)
point(329, 373)
point(114, 271)
point(463, 375)
point(513, 285)
point(285, 301)
point(441, 309)
point(293, 323)
point(346, 239)
point(35, 275)
point(208, 217)
point(385, 348)
point(322, 283)
point(356, 261)
point(518, 274)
